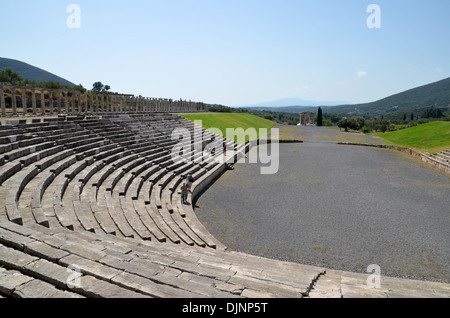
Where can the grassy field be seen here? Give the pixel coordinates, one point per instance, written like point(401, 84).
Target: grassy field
point(432, 137)
point(223, 121)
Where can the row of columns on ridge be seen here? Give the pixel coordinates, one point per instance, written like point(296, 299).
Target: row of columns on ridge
point(40, 101)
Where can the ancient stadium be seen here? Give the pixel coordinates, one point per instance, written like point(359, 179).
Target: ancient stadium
point(90, 206)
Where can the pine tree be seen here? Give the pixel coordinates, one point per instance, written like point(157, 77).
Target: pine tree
point(319, 117)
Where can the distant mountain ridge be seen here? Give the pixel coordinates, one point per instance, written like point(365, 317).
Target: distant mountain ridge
point(295, 102)
point(414, 100)
point(30, 72)
point(418, 99)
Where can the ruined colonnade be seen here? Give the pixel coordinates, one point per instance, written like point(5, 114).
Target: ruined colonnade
point(30, 100)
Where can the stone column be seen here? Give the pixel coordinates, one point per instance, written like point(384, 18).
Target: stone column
point(79, 102)
point(91, 103)
point(50, 102)
point(66, 101)
point(102, 102)
point(24, 101)
point(42, 101)
point(96, 103)
point(13, 101)
point(33, 101)
point(86, 103)
point(2, 101)
point(73, 101)
point(58, 101)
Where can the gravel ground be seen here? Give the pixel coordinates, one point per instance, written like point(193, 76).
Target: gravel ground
point(339, 207)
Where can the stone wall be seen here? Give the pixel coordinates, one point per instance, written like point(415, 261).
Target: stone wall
point(19, 101)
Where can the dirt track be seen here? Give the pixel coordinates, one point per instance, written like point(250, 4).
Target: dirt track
point(339, 207)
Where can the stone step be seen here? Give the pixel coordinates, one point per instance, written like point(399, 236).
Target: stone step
point(157, 270)
point(55, 279)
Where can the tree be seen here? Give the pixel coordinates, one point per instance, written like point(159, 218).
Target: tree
point(79, 88)
point(344, 123)
point(433, 113)
point(355, 123)
point(98, 87)
point(10, 76)
point(319, 117)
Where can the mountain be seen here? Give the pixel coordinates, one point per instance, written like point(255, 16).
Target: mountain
point(27, 71)
point(284, 109)
point(415, 100)
point(288, 102)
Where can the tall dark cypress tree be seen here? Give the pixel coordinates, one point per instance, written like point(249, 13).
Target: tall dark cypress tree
point(319, 117)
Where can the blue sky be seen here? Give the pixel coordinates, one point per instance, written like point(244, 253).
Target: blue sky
point(235, 52)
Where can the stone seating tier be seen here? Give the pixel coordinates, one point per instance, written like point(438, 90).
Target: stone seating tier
point(96, 175)
point(59, 263)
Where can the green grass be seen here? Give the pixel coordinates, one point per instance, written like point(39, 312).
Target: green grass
point(432, 137)
point(223, 121)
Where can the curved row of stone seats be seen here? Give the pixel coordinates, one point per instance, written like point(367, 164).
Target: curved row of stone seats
point(89, 181)
point(158, 174)
point(41, 262)
point(28, 160)
point(443, 156)
point(153, 187)
point(77, 189)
